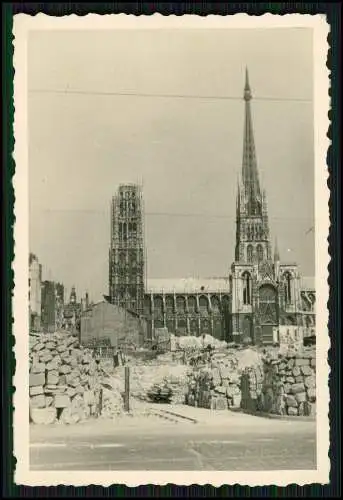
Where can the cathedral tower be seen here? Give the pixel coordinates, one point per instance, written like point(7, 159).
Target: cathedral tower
point(126, 256)
point(252, 226)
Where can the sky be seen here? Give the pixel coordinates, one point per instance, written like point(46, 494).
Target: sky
point(86, 137)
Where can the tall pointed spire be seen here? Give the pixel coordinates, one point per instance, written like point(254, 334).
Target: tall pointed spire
point(276, 252)
point(250, 177)
point(252, 226)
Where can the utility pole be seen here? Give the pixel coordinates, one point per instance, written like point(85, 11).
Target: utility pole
point(127, 389)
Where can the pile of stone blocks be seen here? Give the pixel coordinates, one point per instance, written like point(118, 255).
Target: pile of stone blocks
point(216, 386)
point(65, 382)
point(288, 386)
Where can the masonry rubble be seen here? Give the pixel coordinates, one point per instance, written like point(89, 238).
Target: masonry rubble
point(217, 384)
point(285, 386)
point(65, 381)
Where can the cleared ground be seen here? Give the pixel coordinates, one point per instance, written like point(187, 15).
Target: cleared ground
point(231, 442)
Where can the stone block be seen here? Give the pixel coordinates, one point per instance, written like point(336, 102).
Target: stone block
point(75, 381)
point(291, 401)
point(64, 369)
point(61, 348)
point(38, 368)
point(296, 388)
point(296, 371)
point(301, 409)
point(36, 389)
point(236, 400)
point(310, 409)
point(287, 388)
point(290, 380)
point(52, 365)
point(50, 345)
point(220, 403)
point(52, 377)
point(73, 361)
point(301, 397)
point(36, 379)
point(39, 347)
point(299, 379)
point(46, 357)
point(292, 411)
point(37, 401)
point(71, 392)
point(290, 364)
point(306, 370)
point(61, 401)
point(310, 382)
point(313, 362)
point(302, 361)
point(43, 416)
point(62, 380)
point(311, 394)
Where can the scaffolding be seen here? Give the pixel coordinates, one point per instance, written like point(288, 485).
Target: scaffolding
point(127, 250)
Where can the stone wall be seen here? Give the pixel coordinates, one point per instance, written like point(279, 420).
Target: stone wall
point(286, 386)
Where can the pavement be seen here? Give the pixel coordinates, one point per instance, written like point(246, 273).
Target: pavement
point(217, 441)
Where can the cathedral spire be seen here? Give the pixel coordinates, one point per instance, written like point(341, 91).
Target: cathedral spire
point(250, 177)
point(252, 226)
point(276, 252)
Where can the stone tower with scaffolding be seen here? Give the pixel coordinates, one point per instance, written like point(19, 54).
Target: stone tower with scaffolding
point(127, 255)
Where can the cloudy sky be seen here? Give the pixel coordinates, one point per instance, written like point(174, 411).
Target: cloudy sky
point(86, 137)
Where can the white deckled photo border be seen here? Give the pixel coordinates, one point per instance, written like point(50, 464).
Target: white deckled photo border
point(23, 24)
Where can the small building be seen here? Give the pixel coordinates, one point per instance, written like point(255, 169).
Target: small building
point(52, 305)
point(105, 323)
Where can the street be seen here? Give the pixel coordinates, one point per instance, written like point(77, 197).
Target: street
point(241, 443)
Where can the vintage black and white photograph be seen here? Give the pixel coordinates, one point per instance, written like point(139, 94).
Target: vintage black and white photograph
point(171, 260)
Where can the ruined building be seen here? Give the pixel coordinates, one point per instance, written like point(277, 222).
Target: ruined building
point(260, 300)
point(52, 305)
point(35, 284)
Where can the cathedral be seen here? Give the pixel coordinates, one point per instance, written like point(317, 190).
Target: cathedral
point(261, 300)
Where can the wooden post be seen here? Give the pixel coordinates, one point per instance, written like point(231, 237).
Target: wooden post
point(127, 389)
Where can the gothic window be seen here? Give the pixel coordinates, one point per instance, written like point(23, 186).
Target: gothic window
point(192, 304)
point(181, 304)
point(158, 307)
point(288, 288)
point(147, 305)
point(250, 253)
point(170, 304)
point(203, 304)
point(259, 253)
point(215, 304)
point(246, 288)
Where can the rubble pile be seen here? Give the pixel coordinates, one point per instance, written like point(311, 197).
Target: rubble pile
point(65, 381)
point(217, 385)
point(287, 385)
point(174, 376)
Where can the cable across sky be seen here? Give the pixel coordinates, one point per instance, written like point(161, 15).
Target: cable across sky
point(162, 96)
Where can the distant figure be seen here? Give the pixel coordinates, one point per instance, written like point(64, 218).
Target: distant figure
point(97, 357)
point(115, 359)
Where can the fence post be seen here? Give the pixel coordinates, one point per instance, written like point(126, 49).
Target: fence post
point(127, 389)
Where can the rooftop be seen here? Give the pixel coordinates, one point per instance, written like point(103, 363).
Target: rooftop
point(188, 285)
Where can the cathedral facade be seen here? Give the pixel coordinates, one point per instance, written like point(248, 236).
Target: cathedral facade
point(261, 299)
